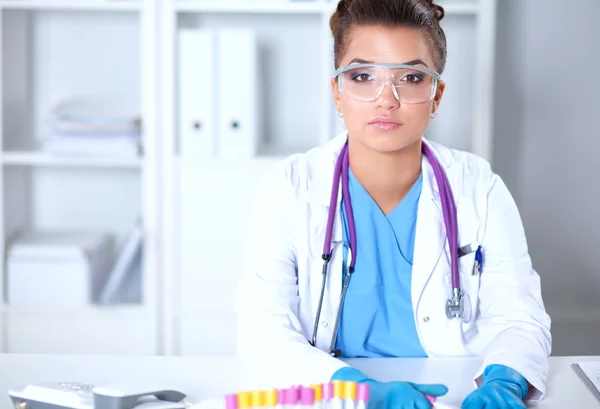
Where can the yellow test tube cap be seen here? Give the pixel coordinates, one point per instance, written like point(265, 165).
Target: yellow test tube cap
point(349, 390)
point(243, 400)
point(338, 388)
point(271, 398)
point(257, 399)
point(318, 387)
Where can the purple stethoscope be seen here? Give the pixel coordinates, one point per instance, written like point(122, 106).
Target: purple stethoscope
point(455, 305)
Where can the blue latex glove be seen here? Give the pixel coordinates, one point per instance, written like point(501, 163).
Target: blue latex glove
point(502, 388)
point(396, 395)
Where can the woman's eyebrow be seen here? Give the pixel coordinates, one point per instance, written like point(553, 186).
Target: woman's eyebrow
point(412, 62)
point(360, 61)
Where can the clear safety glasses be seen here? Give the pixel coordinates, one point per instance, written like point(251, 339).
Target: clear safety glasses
point(366, 82)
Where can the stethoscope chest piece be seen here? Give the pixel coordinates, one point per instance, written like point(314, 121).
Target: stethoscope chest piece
point(458, 306)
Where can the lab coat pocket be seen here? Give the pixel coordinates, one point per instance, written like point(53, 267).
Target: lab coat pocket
point(469, 283)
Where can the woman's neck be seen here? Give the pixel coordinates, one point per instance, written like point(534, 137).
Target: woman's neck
point(387, 177)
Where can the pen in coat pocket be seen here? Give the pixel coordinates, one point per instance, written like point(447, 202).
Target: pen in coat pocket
point(477, 263)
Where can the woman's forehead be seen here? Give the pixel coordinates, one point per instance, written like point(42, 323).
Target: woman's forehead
point(387, 45)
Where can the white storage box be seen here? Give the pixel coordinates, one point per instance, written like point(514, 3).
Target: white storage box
point(57, 269)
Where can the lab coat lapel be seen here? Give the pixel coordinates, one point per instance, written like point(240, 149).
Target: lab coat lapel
point(430, 236)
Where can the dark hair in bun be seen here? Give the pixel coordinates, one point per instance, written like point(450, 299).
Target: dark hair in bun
point(422, 15)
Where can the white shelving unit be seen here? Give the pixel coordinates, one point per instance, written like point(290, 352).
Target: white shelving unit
point(206, 206)
point(194, 210)
point(71, 5)
point(54, 50)
point(16, 158)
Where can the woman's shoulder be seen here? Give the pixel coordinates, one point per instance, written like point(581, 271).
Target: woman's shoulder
point(305, 171)
point(458, 158)
point(463, 168)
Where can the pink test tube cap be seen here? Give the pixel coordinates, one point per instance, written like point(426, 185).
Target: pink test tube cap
point(430, 398)
point(363, 392)
point(231, 401)
point(281, 396)
point(327, 391)
point(307, 396)
point(291, 395)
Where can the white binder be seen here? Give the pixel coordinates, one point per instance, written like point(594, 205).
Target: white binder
point(238, 94)
point(196, 94)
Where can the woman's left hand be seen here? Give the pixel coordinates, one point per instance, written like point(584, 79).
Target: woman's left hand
point(502, 388)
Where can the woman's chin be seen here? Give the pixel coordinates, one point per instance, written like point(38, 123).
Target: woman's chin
point(389, 143)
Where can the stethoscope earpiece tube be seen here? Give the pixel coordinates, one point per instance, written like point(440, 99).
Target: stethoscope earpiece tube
point(348, 206)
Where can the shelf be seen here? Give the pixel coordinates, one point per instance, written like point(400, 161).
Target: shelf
point(41, 159)
point(245, 6)
point(123, 311)
point(83, 331)
point(274, 151)
point(266, 154)
point(126, 5)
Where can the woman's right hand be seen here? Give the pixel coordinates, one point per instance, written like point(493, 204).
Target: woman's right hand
point(403, 395)
point(393, 395)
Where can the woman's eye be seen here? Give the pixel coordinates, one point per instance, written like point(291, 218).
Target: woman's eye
point(361, 77)
point(412, 78)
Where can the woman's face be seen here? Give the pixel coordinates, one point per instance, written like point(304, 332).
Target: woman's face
point(363, 119)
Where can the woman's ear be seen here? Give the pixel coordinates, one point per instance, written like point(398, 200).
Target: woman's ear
point(336, 94)
point(437, 98)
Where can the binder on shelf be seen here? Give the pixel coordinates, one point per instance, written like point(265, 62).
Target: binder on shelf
point(117, 278)
point(197, 93)
point(238, 94)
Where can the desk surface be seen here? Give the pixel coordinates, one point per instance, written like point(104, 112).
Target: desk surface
point(203, 378)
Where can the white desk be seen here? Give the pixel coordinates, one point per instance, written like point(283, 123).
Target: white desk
point(203, 378)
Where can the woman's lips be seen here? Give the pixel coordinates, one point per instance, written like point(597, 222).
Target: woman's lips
point(385, 124)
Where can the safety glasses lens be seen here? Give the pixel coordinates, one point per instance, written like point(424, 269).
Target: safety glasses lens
point(367, 83)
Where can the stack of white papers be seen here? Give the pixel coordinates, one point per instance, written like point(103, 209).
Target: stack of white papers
point(57, 268)
point(93, 126)
point(590, 372)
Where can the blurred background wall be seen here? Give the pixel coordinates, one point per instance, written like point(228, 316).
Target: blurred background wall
point(547, 146)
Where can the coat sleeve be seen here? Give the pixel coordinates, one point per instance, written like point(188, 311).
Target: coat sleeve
point(269, 333)
point(513, 322)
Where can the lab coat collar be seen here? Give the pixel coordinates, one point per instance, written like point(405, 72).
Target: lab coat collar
point(324, 159)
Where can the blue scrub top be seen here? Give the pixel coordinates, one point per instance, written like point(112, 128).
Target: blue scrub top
point(377, 317)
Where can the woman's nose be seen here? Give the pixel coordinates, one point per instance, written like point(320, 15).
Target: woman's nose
point(388, 96)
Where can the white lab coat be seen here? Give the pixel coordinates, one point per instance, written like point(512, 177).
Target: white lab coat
point(279, 289)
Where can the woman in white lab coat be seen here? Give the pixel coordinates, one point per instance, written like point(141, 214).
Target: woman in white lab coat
point(396, 235)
